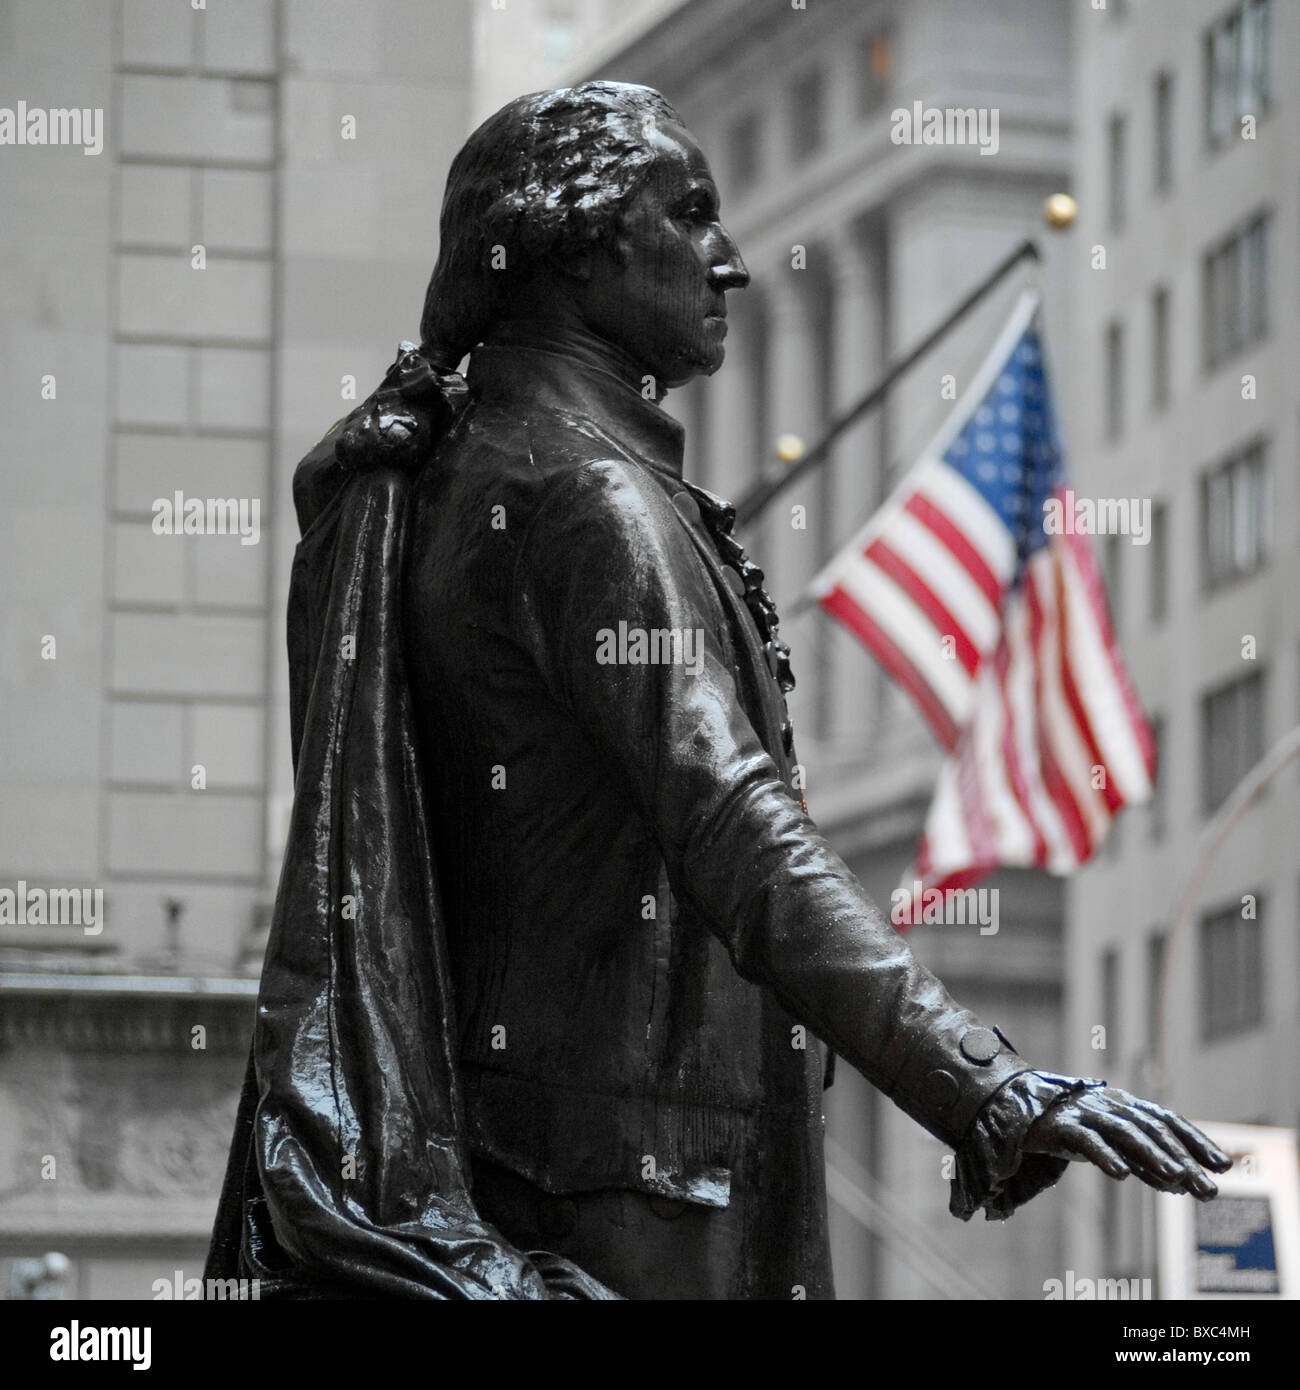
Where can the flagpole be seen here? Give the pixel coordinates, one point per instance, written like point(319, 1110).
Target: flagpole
point(759, 497)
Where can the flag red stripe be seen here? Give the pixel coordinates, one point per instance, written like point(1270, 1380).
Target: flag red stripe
point(1094, 590)
point(974, 804)
point(965, 878)
point(1068, 684)
point(840, 605)
point(1011, 754)
point(1057, 787)
point(971, 560)
point(890, 562)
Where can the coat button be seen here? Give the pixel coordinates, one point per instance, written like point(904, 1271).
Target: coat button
point(687, 507)
point(665, 1208)
point(734, 582)
point(773, 659)
point(941, 1088)
point(980, 1045)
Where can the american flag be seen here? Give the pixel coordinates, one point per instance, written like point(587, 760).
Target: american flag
point(1000, 632)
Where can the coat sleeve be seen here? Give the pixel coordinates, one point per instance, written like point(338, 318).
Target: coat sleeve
point(606, 548)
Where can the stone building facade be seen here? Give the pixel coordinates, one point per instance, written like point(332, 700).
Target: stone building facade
point(1186, 341)
point(186, 311)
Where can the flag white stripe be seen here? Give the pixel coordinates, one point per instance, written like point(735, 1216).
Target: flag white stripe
point(1011, 830)
point(1056, 718)
point(949, 580)
point(1104, 703)
point(951, 494)
point(968, 513)
point(1024, 725)
point(945, 828)
point(912, 632)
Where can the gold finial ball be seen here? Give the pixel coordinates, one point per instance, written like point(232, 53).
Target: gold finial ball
point(789, 448)
point(1060, 210)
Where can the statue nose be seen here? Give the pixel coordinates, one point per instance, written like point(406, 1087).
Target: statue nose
point(731, 274)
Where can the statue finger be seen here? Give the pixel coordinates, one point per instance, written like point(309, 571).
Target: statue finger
point(1143, 1155)
point(1198, 1144)
point(1159, 1129)
point(1075, 1140)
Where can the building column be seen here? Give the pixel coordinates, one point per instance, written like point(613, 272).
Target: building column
point(852, 678)
point(731, 440)
point(787, 544)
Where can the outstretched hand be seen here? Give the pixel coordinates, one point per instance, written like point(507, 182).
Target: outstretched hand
point(1123, 1134)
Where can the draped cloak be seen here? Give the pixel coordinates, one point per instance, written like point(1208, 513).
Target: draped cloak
point(349, 1159)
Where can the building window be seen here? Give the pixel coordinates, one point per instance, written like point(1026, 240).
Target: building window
point(1163, 133)
point(1158, 595)
point(875, 64)
point(744, 153)
point(1232, 738)
point(1232, 969)
point(1236, 498)
point(1114, 406)
point(1155, 953)
point(1118, 146)
point(807, 113)
point(1160, 347)
point(1114, 572)
point(1157, 807)
point(1237, 69)
point(1236, 292)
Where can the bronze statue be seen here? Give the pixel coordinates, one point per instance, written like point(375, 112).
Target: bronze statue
point(558, 954)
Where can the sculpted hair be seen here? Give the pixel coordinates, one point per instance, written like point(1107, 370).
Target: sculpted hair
point(548, 174)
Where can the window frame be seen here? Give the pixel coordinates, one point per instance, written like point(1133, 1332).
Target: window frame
point(1163, 157)
point(1246, 738)
point(1244, 475)
point(1246, 1009)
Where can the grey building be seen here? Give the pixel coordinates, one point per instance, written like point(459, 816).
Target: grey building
point(1184, 342)
point(186, 310)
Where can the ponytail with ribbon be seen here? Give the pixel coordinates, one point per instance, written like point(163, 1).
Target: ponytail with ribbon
point(401, 423)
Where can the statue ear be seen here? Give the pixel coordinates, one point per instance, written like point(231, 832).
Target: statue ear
point(585, 263)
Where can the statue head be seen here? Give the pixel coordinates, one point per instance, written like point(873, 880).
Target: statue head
point(595, 203)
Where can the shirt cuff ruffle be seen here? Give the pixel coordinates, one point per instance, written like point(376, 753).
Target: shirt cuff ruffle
point(992, 1172)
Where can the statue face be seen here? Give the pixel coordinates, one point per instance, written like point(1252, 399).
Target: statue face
point(663, 301)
